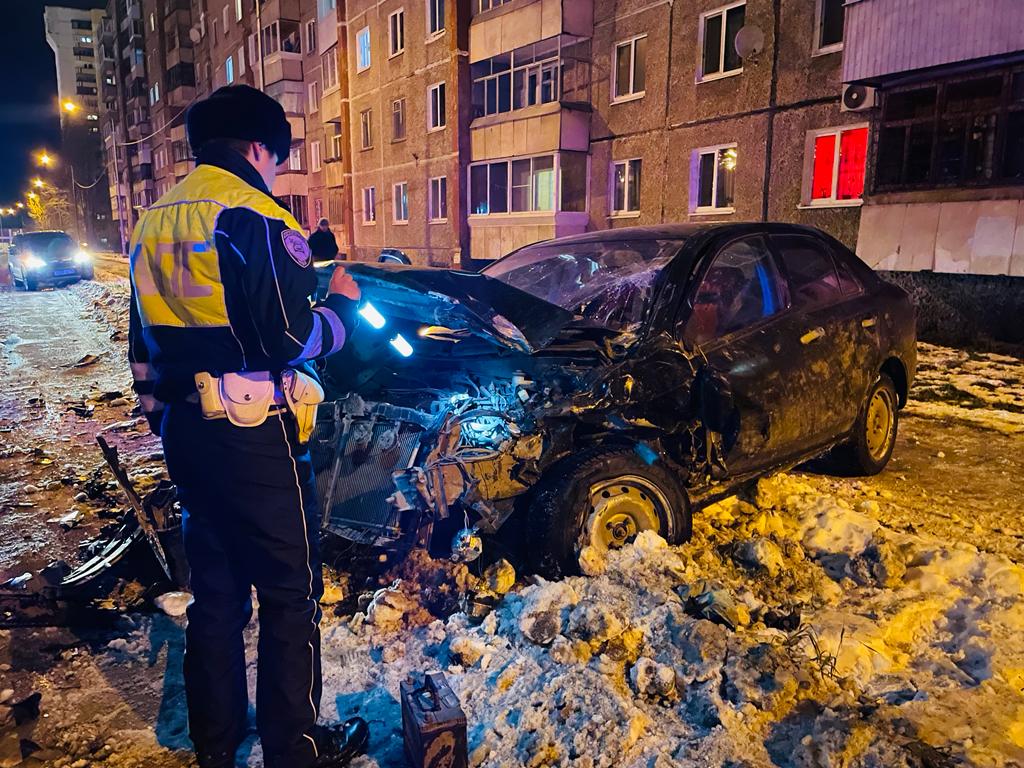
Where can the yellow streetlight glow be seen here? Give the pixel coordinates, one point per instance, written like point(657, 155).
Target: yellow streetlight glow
point(38, 183)
point(69, 106)
point(45, 159)
point(20, 205)
point(32, 195)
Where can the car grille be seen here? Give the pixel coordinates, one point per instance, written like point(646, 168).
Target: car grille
point(353, 465)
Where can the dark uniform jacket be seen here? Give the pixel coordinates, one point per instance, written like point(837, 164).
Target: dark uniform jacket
point(221, 277)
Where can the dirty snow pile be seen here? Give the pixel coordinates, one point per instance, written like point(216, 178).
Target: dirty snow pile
point(792, 631)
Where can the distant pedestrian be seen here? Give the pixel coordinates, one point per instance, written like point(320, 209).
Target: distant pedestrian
point(322, 242)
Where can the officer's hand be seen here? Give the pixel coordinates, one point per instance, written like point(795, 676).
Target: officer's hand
point(342, 283)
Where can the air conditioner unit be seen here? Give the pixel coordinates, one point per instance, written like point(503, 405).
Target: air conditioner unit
point(857, 98)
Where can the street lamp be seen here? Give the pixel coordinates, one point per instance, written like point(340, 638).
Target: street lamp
point(19, 205)
point(38, 183)
point(32, 195)
point(45, 159)
point(69, 106)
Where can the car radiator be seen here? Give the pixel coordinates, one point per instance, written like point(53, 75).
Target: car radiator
point(354, 458)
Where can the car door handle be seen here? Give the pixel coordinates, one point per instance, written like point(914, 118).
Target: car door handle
point(869, 322)
point(812, 335)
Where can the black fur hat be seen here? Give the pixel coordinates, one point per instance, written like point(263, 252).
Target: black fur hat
point(239, 112)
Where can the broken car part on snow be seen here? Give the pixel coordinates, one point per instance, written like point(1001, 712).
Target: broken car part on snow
point(604, 384)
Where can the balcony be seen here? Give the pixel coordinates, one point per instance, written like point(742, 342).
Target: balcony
point(516, 24)
point(544, 128)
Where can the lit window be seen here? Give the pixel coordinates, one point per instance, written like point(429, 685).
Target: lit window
point(831, 18)
point(435, 17)
point(436, 99)
point(713, 183)
point(152, 23)
point(401, 202)
point(520, 186)
point(238, 10)
point(837, 162)
point(626, 186)
point(439, 198)
point(229, 70)
point(718, 41)
point(336, 142)
point(396, 32)
point(630, 68)
point(363, 49)
point(366, 128)
point(313, 96)
point(398, 120)
point(314, 156)
point(369, 205)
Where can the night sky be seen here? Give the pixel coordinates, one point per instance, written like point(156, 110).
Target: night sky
point(28, 91)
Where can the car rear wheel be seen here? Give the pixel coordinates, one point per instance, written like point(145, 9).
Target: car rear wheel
point(601, 498)
point(874, 435)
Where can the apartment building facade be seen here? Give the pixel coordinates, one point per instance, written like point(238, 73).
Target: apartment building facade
point(74, 37)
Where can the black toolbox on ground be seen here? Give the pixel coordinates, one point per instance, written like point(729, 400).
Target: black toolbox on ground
point(433, 724)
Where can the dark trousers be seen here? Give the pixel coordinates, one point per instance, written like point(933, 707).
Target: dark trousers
point(248, 498)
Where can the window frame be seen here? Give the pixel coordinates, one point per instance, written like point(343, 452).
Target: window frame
point(538, 67)
point(226, 14)
point(336, 142)
point(819, 17)
point(312, 39)
point(241, 60)
point(441, 107)
point(295, 153)
point(695, 208)
point(722, 11)
point(394, 33)
point(395, 138)
point(329, 85)
point(313, 96)
point(442, 182)
point(238, 10)
point(625, 213)
point(394, 202)
point(556, 190)
point(369, 196)
point(360, 67)
point(315, 158)
point(435, 18)
point(806, 195)
point(632, 95)
point(366, 129)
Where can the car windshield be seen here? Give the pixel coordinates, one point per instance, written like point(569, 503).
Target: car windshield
point(42, 243)
point(608, 283)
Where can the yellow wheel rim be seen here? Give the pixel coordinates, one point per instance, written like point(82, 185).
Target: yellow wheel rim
point(621, 508)
point(880, 424)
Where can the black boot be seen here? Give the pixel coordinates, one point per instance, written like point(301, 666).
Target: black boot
point(223, 760)
point(338, 744)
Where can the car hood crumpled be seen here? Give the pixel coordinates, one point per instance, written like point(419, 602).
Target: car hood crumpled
point(452, 302)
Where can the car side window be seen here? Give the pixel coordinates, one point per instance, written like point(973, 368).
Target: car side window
point(848, 281)
point(740, 288)
point(809, 268)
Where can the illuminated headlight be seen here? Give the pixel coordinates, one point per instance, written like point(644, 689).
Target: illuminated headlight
point(83, 257)
point(370, 314)
point(404, 347)
point(34, 262)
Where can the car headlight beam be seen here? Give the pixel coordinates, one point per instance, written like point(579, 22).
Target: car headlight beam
point(34, 262)
point(83, 257)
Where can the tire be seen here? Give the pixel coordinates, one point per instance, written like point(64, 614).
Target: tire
point(30, 284)
point(874, 434)
point(631, 495)
point(88, 274)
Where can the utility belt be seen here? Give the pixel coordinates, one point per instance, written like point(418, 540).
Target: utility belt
point(247, 398)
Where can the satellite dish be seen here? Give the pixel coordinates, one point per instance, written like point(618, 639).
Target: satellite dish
point(195, 35)
point(749, 41)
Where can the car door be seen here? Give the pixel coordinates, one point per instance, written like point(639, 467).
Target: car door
point(836, 332)
point(736, 317)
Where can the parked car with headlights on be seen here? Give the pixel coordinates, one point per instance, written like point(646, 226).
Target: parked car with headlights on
point(45, 258)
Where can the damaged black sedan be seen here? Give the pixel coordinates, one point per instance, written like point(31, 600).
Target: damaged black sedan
point(581, 390)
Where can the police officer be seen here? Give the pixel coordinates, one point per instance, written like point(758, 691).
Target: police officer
point(221, 334)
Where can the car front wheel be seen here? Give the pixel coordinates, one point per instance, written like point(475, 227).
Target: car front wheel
point(874, 435)
point(601, 498)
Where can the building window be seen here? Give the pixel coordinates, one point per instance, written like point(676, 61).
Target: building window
point(363, 49)
point(396, 32)
point(947, 133)
point(295, 159)
point(713, 183)
point(366, 129)
point(229, 70)
point(238, 10)
point(529, 75)
point(227, 20)
point(329, 68)
point(252, 51)
point(626, 186)
point(630, 68)
point(835, 162)
point(398, 120)
point(281, 36)
point(318, 209)
point(401, 202)
point(154, 93)
point(152, 22)
point(435, 17)
point(241, 60)
point(439, 199)
point(369, 205)
point(336, 142)
point(436, 107)
point(718, 30)
point(830, 21)
point(521, 185)
point(313, 96)
point(311, 41)
point(486, 5)
point(323, 7)
point(314, 156)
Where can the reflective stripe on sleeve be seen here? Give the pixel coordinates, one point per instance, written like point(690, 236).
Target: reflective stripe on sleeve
point(314, 344)
point(336, 326)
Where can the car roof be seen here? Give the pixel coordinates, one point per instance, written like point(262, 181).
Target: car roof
point(677, 231)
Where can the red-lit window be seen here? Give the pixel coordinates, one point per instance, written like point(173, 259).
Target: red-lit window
point(837, 165)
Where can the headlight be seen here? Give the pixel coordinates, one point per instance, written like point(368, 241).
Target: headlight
point(370, 314)
point(399, 343)
point(34, 262)
point(83, 257)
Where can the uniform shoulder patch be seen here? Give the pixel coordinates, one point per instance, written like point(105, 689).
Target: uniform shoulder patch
point(297, 247)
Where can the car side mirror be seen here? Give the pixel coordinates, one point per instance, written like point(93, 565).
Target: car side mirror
point(715, 402)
